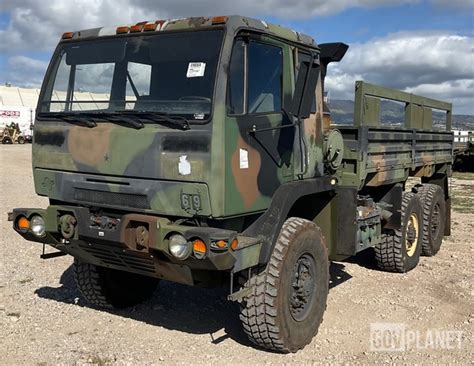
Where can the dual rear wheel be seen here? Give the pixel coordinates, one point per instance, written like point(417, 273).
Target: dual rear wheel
point(421, 232)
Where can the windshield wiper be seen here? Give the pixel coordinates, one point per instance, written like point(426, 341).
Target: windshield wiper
point(178, 121)
point(114, 117)
point(70, 118)
point(132, 118)
point(90, 119)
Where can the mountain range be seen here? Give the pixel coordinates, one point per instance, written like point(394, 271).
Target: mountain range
point(393, 113)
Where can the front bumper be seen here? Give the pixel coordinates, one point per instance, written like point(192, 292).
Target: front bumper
point(138, 243)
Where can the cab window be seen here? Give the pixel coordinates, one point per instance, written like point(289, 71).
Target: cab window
point(255, 78)
point(299, 58)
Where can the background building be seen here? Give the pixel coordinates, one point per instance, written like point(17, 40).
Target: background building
point(18, 105)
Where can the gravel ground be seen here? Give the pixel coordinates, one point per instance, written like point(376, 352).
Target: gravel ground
point(43, 320)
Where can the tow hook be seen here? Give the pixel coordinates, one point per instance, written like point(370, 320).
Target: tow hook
point(67, 224)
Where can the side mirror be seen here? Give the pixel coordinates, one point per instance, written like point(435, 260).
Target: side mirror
point(332, 52)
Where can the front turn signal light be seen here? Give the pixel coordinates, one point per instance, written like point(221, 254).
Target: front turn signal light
point(199, 249)
point(23, 224)
point(234, 244)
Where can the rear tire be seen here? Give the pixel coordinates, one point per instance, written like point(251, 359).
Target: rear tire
point(288, 298)
point(434, 216)
point(6, 140)
point(399, 250)
point(110, 288)
point(21, 140)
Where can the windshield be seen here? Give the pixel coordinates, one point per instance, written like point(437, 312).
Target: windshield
point(170, 73)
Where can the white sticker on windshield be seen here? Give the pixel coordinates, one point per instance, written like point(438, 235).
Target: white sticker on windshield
point(196, 69)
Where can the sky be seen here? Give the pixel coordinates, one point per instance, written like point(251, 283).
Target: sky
point(420, 46)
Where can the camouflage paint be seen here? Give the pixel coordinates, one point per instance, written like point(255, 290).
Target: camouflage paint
point(113, 152)
point(125, 164)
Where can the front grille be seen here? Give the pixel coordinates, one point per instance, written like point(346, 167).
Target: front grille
point(116, 257)
point(111, 198)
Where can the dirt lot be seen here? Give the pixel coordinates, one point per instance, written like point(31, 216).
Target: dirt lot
point(43, 319)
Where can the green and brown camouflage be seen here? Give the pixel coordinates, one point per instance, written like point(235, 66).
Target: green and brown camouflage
point(245, 173)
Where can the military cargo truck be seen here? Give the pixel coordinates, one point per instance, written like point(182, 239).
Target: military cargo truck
point(464, 151)
point(201, 151)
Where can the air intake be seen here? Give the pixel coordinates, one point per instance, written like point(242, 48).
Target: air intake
point(111, 198)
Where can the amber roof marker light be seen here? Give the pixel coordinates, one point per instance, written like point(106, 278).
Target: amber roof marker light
point(219, 20)
point(122, 30)
point(136, 28)
point(67, 35)
point(150, 27)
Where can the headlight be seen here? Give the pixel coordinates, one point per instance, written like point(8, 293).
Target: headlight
point(179, 246)
point(37, 226)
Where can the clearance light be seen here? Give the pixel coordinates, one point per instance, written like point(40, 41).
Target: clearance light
point(199, 249)
point(67, 35)
point(23, 224)
point(136, 28)
point(234, 244)
point(150, 27)
point(219, 20)
point(122, 30)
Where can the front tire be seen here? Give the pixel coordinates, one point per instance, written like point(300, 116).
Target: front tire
point(288, 298)
point(110, 288)
point(399, 250)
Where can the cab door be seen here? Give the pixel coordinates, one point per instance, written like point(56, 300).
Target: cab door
point(259, 147)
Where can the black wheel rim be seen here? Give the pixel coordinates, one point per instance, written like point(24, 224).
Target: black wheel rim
point(302, 287)
point(435, 220)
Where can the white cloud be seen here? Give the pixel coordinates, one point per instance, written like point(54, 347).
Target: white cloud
point(423, 62)
point(459, 91)
point(26, 71)
point(33, 23)
point(36, 26)
point(439, 65)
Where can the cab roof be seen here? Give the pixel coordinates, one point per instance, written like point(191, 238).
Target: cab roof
point(234, 22)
